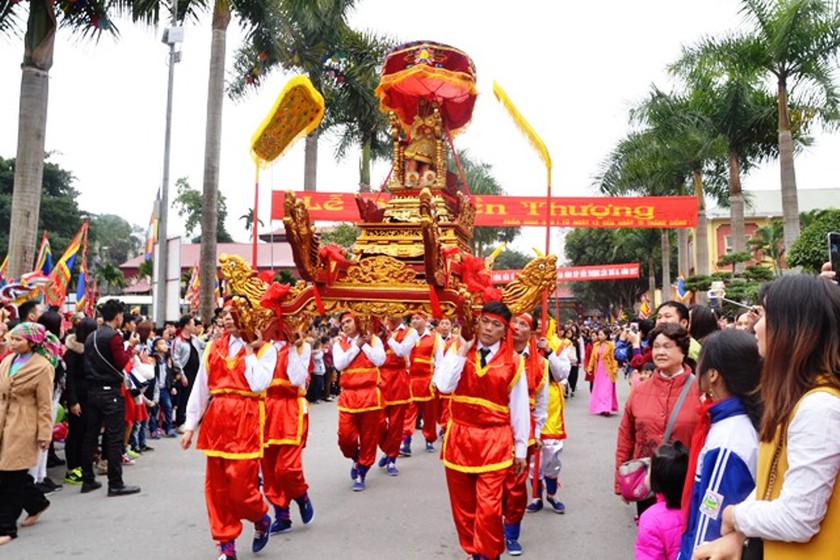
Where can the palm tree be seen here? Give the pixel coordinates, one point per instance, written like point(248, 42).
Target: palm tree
point(769, 240)
point(354, 113)
point(480, 180)
point(724, 88)
point(795, 42)
point(109, 276)
point(248, 218)
point(300, 36)
point(89, 19)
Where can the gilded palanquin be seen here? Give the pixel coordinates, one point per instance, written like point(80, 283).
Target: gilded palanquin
point(412, 253)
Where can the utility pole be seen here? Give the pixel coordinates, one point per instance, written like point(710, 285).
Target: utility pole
point(171, 36)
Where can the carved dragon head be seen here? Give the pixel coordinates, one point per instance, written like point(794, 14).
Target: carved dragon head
point(526, 290)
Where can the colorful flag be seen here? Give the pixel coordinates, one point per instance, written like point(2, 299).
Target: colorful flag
point(193, 294)
point(152, 230)
point(645, 309)
point(56, 291)
point(44, 262)
point(4, 267)
point(82, 283)
point(682, 295)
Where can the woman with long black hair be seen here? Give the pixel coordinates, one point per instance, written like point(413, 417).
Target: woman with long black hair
point(795, 509)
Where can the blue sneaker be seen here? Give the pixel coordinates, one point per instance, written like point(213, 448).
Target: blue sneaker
point(534, 506)
point(227, 550)
point(282, 521)
point(556, 505)
point(405, 448)
point(513, 547)
point(261, 532)
point(383, 462)
point(358, 484)
point(354, 471)
point(430, 447)
point(392, 469)
point(307, 512)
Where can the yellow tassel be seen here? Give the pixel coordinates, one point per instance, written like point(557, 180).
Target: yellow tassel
point(522, 124)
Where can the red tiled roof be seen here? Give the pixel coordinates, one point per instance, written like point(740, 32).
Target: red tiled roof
point(190, 255)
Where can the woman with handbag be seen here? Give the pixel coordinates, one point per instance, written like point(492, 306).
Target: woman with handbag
point(795, 509)
point(659, 410)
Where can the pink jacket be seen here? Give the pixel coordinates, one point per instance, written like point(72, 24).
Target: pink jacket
point(660, 530)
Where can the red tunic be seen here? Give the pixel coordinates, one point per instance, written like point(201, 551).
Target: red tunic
point(359, 383)
point(480, 437)
point(394, 375)
point(232, 427)
point(285, 405)
point(422, 368)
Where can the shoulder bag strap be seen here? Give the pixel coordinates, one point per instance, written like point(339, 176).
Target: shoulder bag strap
point(677, 407)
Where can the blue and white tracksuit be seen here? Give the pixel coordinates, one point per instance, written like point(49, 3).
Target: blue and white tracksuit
point(725, 472)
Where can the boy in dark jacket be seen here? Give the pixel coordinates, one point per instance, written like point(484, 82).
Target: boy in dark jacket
point(162, 389)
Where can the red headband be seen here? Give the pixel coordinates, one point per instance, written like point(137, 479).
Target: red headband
point(495, 316)
point(525, 316)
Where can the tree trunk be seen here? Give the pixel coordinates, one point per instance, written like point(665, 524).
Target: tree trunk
point(652, 282)
point(364, 167)
point(790, 200)
point(310, 169)
point(682, 253)
point(39, 44)
point(212, 156)
point(736, 207)
point(701, 233)
point(666, 264)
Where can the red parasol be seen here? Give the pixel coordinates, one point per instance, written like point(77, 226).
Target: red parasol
point(430, 71)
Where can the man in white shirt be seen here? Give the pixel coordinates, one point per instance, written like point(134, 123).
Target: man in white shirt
point(235, 373)
point(488, 411)
point(426, 355)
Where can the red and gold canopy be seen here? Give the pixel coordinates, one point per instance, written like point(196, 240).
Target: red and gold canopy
point(431, 71)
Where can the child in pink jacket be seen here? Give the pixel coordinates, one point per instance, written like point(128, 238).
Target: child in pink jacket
point(661, 525)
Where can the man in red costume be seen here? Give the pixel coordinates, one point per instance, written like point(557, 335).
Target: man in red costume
point(358, 356)
point(488, 416)
point(536, 374)
point(395, 391)
point(286, 430)
point(426, 355)
point(235, 373)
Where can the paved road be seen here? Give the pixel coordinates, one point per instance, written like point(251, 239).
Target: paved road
point(405, 517)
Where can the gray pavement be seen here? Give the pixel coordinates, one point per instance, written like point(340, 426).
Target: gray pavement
point(406, 517)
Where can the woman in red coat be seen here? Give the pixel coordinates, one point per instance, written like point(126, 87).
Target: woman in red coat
point(649, 406)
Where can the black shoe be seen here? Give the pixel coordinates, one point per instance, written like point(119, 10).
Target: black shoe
point(53, 460)
point(91, 486)
point(144, 448)
point(123, 490)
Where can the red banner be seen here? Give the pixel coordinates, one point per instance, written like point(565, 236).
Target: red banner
point(579, 273)
point(514, 211)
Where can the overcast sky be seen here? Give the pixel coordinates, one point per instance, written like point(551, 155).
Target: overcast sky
point(573, 69)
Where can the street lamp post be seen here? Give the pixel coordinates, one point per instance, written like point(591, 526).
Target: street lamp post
point(171, 36)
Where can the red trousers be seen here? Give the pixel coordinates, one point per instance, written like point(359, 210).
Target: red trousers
point(231, 493)
point(429, 411)
point(282, 470)
point(392, 431)
point(515, 496)
point(358, 435)
point(442, 409)
point(476, 500)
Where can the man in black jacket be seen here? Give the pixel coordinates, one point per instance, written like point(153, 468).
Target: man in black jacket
point(105, 357)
